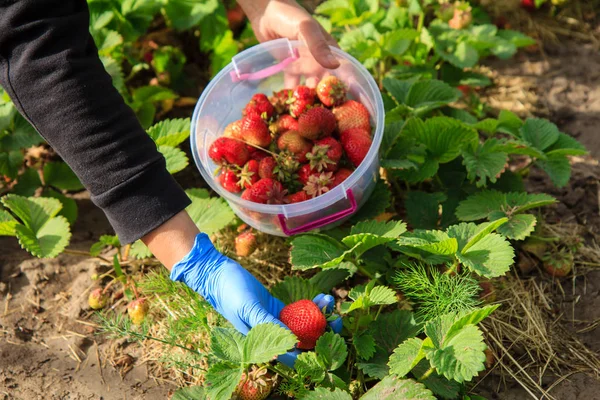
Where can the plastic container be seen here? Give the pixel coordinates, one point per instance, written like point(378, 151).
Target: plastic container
point(270, 67)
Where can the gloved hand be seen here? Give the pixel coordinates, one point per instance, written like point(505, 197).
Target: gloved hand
point(234, 292)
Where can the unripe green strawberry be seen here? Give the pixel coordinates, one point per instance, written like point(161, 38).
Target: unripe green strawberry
point(352, 114)
point(245, 244)
point(331, 91)
point(316, 123)
point(137, 310)
point(97, 299)
point(559, 264)
point(306, 321)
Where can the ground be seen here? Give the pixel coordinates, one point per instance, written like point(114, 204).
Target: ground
point(50, 350)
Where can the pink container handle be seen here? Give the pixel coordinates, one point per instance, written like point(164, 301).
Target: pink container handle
point(265, 73)
point(322, 221)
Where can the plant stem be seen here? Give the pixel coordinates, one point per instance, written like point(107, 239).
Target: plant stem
point(453, 268)
point(427, 374)
point(85, 254)
point(276, 369)
point(378, 312)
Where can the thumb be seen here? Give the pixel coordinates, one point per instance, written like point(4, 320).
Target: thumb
point(312, 35)
point(258, 315)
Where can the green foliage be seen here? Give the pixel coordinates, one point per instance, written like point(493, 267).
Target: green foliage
point(392, 388)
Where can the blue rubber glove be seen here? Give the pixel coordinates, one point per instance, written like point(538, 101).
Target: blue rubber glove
point(234, 292)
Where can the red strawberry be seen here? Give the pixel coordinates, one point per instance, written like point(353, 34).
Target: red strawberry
point(319, 184)
point(325, 154)
point(465, 89)
point(266, 191)
point(257, 385)
point(302, 98)
point(255, 131)
point(306, 321)
point(331, 91)
point(529, 5)
point(356, 144)
point(248, 176)
point(352, 114)
point(293, 142)
point(297, 197)
point(266, 166)
point(341, 175)
point(229, 180)
point(233, 130)
point(316, 123)
point(285, 123)
point(258, 154)
point(280, 100)
point(227, 150)
point(245, 244)
point(260, 106)
point(304, 172)
point(137, 310)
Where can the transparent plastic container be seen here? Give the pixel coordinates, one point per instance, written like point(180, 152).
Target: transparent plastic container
point(270, 67)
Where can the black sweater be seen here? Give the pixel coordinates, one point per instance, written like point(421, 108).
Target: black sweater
point(49, 66)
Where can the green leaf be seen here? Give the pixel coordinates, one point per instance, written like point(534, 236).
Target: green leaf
point(48, 241)
point(443, 137)
point(393, 388)
point(462, 356)
point(104, 241)
point(210, 214)
point(406, 356)
point(185, 14)
point(425, 96)
point(10, 163)
point(326, 279)
point(398, 164)
point(331, 350)
point(227, 344)
point(423, 209)
point(170, 132)
point(440, 386)
point(222, 379)
point(189, 393)
point(437, 329)
point(382, 295)
point(139, 250)
point(379, 202)
point(424, 171)
point(484, 163)
point(34, 212)
point(509, 122)
point(60, 175)
point(470, 318)
point(294, 288)
point(364, 344)
point(490, 257)
point(487, 203)
point(435, 242)
point(515, 37)
point(116, 73)
point(391, 329)
point(369, 296)
point(540, 133)
point(566, 146)
point(463, 56)
point(518, 227)
point(7, 224)
point(399, 89)
point(27, 183)
point(308, 365)
point(266, 341)
point(315, 250)
point(482, 231)
point(175, 158)
point(377, 366)
point(557, 168)
point(398, 41)
point(69, 206)
point(325, 394)
point(369, 234)
point(23, 136)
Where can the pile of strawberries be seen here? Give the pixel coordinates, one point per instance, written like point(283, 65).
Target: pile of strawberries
point(293, 146)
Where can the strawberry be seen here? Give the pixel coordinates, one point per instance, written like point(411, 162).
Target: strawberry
point(319, 184)
point(137, 310)
point(297, 197)
point(248, 176)
point(229, 180)
point(97, 299)
point(287, 166)
point(465, 89)
point(462, 18)
point(266, 191)
point(331, 91)
point(266, 166)
point(529, 5)
point(228, 151)
point(293, 142)
point(257, 385)
point(280, 100)
point(356, 143)
point(340, 176)
point(316, 123)
point(285, 123)
point(233, 130)
point(245, 244)
point(306, 321)
point(259, 106)
point(559, 264)
point(352, 114)
point(302, 98)
point(258, 154)
point(304, 172)
point(255, 131)
point(325, 155)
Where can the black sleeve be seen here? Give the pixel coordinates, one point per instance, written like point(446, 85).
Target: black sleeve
point(49, 66)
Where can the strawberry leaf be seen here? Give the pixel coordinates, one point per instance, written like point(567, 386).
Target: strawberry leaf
point(326, 279)
point(104, 241)
point(557, 168)
point(440, 386)
point(69, 206)
point(308, 365)
point(565, 146)
point(266, 341)
point(393, 388)
point(59, 175)
point(48, 241)
point(490, 257)
point(183, 15)
point(175, 158)
point(139, 250)
point(391, 329)
point(484, 163)
point(189, 393)
point(540, 133)
point(315, 250)
point(34, 212)
point(7, 224)
point(227, 344)
point(294, 288)
point(427, 95)
point(368, 296)
point(463, 56)
point(379, 201)
point(27, 183)
point(377, 366)
point(369, 234)
point(422, 209)
point(364, 344)
point(331, 351)
point(210, 214)
point(433, 241)
point(23, 136)
point(222, 380)
point(518, 226)
point(425, 170)
point(10, 163)
point(470, 318)
point(170, 132)
point(509, 123)
point(321, 393)
point(406, 356)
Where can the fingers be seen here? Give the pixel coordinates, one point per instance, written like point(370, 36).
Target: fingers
point(324, 301)
point(311, 33)
point(258, 315)
point(289, 358)
point(336, 325)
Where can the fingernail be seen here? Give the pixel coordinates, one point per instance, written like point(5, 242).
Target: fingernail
point(332, 60)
